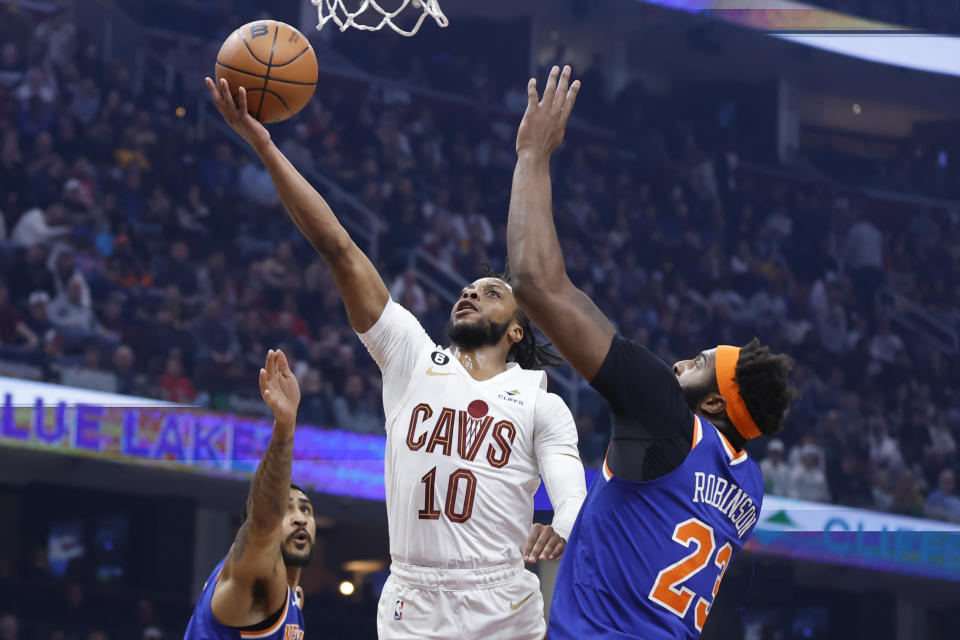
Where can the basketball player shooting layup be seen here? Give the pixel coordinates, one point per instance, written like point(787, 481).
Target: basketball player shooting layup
point(468, 435)
point(678, 495)
point(254, 591)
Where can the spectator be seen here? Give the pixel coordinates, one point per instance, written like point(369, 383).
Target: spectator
point(177, 387)
point(256, 184)
point(68, 310)
point(12, 66)
point(177, 270)
point(40, 226)
point(884, 450)
point(63, 266)
point(807, 479)
point(280, 270)
point(13, 330)
point(86, 101)
point(298, 150)
point(808, 443)
point(832, 321)
point(17, 22)
point(59, 34)
point(38, 320)
point(316, 403)
point(406, 289)
point(166, 335)
point(593, 445)
point(193, 214)
point(886, 347)
point(39, 88)
point(217, 352)
point(942, 448)
point(907, 497)
point(123, 360)
point(863, 256)
point(943, 503)
point(776, 472)
point(219, 171)
point(356, 410)
point(849, 482)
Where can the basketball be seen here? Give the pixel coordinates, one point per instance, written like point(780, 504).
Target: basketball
point(275, 64)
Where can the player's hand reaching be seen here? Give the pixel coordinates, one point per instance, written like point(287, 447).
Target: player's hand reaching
point(545, 121)
point(280, 390)
point(234, 111)
point(543, 543)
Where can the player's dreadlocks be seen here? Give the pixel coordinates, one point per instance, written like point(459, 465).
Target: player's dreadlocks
point(764, 385)
point(527, 353)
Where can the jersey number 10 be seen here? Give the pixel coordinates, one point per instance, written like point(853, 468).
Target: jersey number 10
point(665, 591)
point(430, 511)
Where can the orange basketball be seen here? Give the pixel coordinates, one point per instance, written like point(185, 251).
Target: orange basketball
point(275, 64)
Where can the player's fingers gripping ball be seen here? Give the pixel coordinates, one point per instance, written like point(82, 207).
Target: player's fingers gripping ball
point(274, 63)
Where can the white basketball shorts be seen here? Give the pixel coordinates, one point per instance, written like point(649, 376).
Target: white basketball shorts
point(502, 602)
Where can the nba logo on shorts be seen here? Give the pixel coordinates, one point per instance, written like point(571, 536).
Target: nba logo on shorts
point(398, 611)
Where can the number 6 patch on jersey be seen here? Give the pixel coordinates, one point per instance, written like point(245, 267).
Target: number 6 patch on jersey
point(398, 611)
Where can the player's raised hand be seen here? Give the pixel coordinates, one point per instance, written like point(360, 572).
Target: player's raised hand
point(279, 389)
point(545, 121)
point(233, 108)
point(543, 543)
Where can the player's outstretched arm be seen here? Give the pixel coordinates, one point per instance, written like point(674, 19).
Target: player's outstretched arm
point(572, 322)
point(361, 287)
point(253, 582)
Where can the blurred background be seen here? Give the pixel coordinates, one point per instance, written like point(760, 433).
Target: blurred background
point(790, 173)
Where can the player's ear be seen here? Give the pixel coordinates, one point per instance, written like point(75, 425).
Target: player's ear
point(515, 332)
point(713, 403)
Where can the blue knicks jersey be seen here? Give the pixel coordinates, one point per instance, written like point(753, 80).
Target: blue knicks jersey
point(203, 626)
point(645, 559)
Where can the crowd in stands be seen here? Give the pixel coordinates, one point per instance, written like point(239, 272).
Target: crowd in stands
point(142, 257)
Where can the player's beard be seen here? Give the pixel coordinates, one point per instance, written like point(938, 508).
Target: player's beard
point(293, 557)
point(297, 558)
point(693, 394)
point(473, 335)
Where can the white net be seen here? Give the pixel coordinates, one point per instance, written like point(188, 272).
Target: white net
point(473, 427)
point(343, 17)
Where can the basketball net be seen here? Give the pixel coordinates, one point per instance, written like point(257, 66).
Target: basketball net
point(337, 11)
point(473, 426)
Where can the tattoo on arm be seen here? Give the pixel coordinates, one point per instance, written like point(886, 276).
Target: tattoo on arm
point(239, 543)
point(270, 488)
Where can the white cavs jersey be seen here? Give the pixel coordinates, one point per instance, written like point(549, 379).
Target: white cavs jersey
point(461, 461)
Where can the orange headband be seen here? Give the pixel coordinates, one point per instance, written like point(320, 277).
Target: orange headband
point(727, 358)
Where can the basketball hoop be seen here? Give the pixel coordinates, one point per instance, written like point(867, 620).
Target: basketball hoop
point(337, 11)
point(472, 427)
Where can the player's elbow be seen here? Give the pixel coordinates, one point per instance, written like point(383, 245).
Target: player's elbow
point(335, 248)
point(528, 286)
point(536, 291)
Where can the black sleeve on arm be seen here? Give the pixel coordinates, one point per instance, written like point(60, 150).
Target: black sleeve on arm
point(652, 424)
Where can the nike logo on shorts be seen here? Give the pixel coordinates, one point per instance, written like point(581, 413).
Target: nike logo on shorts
point(431, 372)
point(514, 607)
